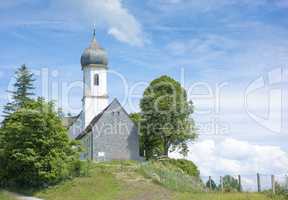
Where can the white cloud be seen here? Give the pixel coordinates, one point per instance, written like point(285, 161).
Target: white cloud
point(108, 14)
point(230, 156)
point(209, 46)
point(111, 14)
point(233, 55)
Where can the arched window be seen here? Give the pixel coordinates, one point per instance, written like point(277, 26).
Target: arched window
point(96, 79)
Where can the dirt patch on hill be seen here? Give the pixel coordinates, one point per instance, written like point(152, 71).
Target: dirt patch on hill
point(137, 187)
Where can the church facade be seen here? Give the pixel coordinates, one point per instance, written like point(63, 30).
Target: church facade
point(105, 130)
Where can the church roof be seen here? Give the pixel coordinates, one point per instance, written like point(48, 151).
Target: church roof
point(68, 121)
point(97, 117)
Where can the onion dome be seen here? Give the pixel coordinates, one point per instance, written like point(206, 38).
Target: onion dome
point(94, 54)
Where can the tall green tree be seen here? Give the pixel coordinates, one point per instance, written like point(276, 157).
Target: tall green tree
point(35, 148)
point(22, 92)
point(166, 114)
point(149, 145)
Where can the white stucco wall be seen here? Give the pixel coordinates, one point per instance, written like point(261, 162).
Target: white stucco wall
point(95, 96)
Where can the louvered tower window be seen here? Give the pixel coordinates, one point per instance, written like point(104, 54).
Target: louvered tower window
point(96, 79)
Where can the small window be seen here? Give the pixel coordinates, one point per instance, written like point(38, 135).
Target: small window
point(96, 79)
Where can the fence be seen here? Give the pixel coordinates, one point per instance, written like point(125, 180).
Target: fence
point(250, 183)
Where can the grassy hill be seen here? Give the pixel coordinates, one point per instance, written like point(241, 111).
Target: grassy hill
point(6, 196)
point(132, 181)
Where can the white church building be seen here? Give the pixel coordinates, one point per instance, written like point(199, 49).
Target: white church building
point(104, 129)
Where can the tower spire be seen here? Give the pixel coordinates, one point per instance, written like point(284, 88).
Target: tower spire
point(94, 42)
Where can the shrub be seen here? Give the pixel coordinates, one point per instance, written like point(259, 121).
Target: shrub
point(36, 150)
point(213, 185)
point(230, 184)
point(187, 166)
point(170, 176)
point(281, 191)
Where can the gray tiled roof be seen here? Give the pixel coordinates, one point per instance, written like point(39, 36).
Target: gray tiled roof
point(95, 120)
point(68, 121)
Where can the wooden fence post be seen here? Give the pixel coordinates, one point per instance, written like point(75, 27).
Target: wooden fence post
point(240, 183)
point(273, 184)
point(258, 182)
point(210, 183)
point(221, 184)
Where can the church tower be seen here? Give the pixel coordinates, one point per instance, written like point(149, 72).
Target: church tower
point(94, 64)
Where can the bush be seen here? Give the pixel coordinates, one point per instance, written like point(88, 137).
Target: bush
point(281, 191)
point(170, 176)
point(213, 185)
point(36, 150)
point(81, 168)
point(187, 166)
point(230, 184)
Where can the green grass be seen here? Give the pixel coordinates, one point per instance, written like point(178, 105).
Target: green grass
point(125, 181)
point(221, 196)
point(6, 196)
point(170, 176)
point(99, 185)
point(107, 181)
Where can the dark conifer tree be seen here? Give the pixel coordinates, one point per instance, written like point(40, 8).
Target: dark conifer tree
point(22, 90)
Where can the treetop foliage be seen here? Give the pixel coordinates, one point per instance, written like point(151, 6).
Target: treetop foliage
point(35, 149)
point(165, 113)
point(23, 90)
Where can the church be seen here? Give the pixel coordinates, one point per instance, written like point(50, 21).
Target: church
point(104, 129)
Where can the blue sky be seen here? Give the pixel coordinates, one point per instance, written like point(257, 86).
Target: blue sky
point(209, 43)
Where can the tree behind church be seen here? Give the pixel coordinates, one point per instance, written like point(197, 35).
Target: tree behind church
point(166, 123)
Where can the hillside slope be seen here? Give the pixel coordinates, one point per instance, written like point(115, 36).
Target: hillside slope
point(108, 181)
point(125, 181)
point(6, 196)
